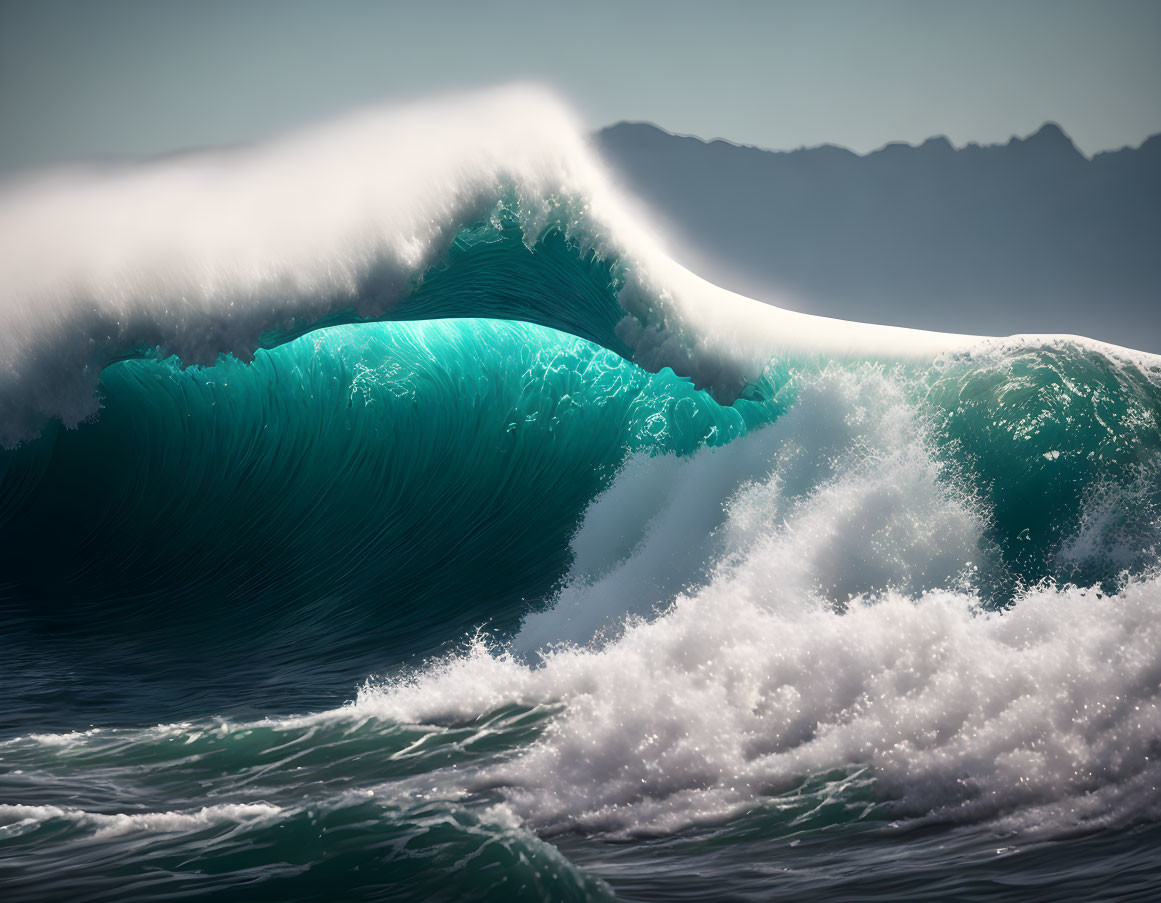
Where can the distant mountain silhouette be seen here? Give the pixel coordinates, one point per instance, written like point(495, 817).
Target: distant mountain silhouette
point(1029, 236)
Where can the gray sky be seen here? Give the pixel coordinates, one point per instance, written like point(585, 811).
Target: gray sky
point(87, 78)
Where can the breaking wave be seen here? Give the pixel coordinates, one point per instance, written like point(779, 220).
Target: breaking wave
point(630, 558)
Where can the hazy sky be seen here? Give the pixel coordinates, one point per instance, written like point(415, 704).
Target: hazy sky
point(120, 77)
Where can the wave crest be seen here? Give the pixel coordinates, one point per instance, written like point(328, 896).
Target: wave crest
point(224, 253)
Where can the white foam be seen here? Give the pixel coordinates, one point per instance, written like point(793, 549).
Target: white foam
point(846, 468)
point(1047, 716)
point(766, 670)
point(1120, 523)
point(65, 739)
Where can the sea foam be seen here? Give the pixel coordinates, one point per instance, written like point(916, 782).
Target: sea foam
point(825, 618)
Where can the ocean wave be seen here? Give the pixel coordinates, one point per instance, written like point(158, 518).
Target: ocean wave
point(659, 561)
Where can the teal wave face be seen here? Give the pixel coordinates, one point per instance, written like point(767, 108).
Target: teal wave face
point(1064, 444)
point(365, 490)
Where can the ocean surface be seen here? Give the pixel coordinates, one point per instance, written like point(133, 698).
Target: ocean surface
point(385, 516)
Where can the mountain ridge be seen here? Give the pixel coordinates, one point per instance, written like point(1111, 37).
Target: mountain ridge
point(1026, 236)
point(1049, 129)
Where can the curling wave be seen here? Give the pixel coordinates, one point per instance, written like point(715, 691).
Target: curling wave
point(230, 252)
point(787, 605)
